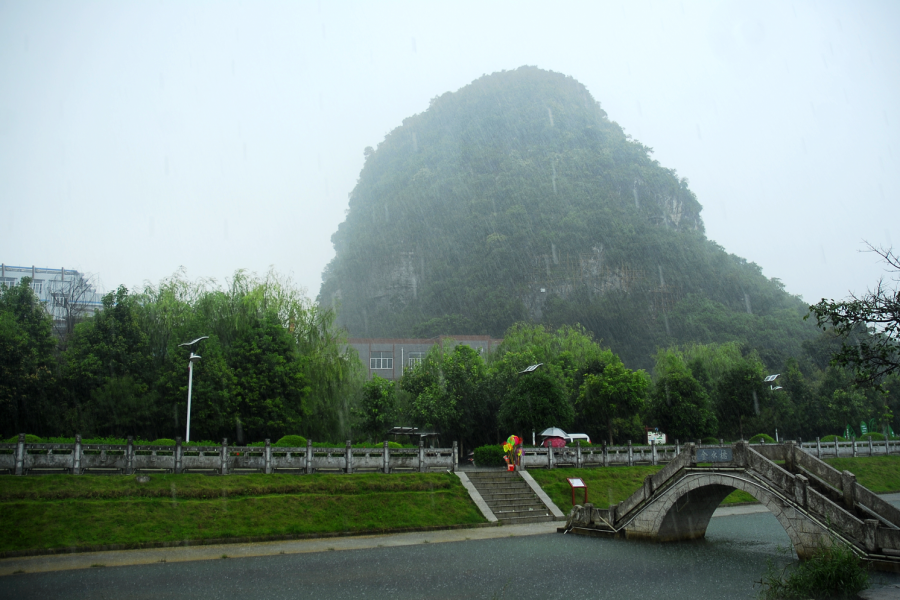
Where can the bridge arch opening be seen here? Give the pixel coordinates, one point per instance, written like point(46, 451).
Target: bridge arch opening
point(684, 510)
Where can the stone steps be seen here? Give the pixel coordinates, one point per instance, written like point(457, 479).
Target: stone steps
point(510, 498)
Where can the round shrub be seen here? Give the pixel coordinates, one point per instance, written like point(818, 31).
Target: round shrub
point(291, 441)
point(162, 442)
point(874, 436)
point(762, 437)
point(832, 438)
point(489, 456)
point(711, 440)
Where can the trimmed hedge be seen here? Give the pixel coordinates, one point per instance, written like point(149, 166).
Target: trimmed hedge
point(29, 439)
point(832, 438)
point(762, 437)
point(874, 436)
point(489, 456)
point(711, 440)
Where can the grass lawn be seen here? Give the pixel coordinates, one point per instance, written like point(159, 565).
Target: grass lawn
point(610, 485)
point(881, 474)
point(61, 511)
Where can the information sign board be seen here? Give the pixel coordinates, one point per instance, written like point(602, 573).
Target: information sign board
point(656, 437)
point(577, 482)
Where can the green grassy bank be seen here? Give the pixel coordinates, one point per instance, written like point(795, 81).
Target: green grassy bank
point(59, 511)
point(611, 485)
point(65, 512)
point(881, 474)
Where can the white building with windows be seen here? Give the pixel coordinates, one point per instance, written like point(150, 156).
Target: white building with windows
point(66, 294)
point(388, 358)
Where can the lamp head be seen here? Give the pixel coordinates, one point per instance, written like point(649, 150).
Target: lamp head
point(193, 342)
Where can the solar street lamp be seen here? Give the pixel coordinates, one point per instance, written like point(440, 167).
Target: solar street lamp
point(530, 369)
point(770, 380)
point(191, 360)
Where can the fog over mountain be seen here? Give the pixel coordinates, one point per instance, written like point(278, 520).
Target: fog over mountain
point(139, 137)
point(518, 199)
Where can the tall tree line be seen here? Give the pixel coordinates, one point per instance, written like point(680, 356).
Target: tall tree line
point(693, 392)
point(274, 364)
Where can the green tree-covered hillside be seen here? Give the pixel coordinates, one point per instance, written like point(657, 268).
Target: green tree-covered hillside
point(517, 198)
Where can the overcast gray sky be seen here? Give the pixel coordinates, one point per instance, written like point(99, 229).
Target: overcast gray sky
point(136, 137)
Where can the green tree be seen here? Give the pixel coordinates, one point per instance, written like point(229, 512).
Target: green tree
point(869, 326)
point(269, 385)
point(679, 405)
point(740, 391)
point(27, 365)
point(108, 347)
point(449, 393)
point(536, 401)
point(377, 408)
point(611, 391)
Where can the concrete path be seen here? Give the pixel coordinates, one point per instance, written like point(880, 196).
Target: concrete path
point(86, 560)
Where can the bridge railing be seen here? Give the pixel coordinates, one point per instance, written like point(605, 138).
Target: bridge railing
point(843, 485)
point(835, 500)
point(652, 483)
point(77, 458)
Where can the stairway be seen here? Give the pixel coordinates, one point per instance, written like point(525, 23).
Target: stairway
point(510, 499)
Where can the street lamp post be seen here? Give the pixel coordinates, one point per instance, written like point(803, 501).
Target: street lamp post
point(771, 381)
point(191, 360)
point(531, 369)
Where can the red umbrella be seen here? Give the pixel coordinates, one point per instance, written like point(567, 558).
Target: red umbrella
point(554, 442)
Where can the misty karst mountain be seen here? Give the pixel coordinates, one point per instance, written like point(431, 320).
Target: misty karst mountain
point(517, 198)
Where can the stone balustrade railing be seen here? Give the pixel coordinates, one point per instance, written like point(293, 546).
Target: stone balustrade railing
point(850, 449)
point(22, 458)
point(598, 456)
point(629, 455)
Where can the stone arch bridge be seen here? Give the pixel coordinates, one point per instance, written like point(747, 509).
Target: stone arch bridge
point(815, 503)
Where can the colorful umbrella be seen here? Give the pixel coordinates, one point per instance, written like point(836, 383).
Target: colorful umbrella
point(554, 442)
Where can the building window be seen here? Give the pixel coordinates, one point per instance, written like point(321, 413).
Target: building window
point(415, 358)
point(381, 360)
point(38, 286)
point(8, 281)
